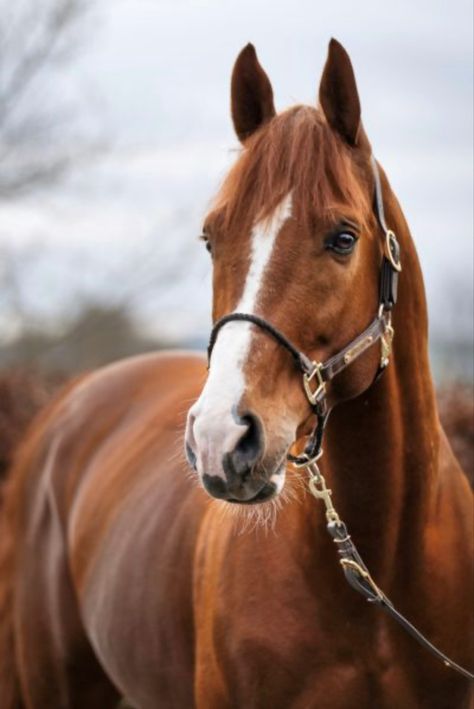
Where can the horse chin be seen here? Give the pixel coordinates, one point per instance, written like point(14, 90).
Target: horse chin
point(268, 492)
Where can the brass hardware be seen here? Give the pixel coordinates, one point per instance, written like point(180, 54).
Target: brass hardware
point(357, 349)
point(307, 460)
point(389, 238)
point(386, 345)
point(343, 540)
point(365, 575)
point(318, 488)
point(314, 396)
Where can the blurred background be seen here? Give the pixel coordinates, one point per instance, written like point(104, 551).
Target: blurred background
point(115, 132)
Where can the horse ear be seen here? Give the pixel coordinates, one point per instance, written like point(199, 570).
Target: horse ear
point(338, 94)
point(251, 94)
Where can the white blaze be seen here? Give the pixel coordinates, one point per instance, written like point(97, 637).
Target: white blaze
point(213, 417)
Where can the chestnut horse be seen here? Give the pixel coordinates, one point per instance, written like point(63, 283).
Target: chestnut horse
point(121, 578)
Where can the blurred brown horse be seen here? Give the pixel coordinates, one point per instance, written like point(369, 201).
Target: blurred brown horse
point(118, 577)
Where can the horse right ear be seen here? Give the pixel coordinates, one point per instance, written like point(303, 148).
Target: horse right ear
point(251, 94)
point(338, 94)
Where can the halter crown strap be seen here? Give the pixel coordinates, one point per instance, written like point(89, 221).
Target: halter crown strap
point(378, 195)
point(391, 265)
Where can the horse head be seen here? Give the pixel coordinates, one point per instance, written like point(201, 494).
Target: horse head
point(294, 240)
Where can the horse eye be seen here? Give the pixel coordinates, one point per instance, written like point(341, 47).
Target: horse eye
point(207, 243)
point(342, 243)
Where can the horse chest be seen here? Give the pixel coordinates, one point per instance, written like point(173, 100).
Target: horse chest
point(266, 640)
point(289, 664)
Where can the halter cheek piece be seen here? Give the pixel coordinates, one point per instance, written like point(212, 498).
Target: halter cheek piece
point(316, 375)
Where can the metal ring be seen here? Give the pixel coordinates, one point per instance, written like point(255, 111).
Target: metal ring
point(304, 461)
point(390, 239)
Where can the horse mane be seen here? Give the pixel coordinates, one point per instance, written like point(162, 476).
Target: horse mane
point(295, 152)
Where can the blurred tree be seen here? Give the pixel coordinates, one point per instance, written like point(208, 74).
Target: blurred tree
point(456, 410)
point(98, 335)
point(39, 134)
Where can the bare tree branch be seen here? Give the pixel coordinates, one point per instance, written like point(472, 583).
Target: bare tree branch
point(39, 136)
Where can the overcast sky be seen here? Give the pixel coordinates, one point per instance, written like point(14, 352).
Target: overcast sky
point(156, 74)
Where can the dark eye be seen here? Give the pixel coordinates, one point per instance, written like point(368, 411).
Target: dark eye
point(342, 243)
point(207, 243)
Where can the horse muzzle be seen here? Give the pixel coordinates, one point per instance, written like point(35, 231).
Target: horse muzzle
point(227, 450)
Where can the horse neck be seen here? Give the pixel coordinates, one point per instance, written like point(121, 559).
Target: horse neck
point(381, 449)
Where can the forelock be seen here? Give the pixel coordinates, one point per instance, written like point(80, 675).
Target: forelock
point(295, 152)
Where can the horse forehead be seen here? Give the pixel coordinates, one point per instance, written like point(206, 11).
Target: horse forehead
point(264, 235)
point(248, 256)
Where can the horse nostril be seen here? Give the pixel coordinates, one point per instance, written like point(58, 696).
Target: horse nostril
point(191, 456)
point(249, 448)
point(190, 441)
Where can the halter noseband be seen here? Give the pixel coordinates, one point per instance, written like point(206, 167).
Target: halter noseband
point(317, 374)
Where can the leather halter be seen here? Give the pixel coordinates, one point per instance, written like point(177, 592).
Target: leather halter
point(317, 374)
point(315, 377)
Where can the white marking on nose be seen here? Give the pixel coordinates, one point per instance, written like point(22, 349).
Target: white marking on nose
point(216, 429)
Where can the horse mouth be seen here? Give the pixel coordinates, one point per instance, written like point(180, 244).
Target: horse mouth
point(268, 491)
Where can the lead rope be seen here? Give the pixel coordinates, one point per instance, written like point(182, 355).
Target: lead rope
point(357, 573)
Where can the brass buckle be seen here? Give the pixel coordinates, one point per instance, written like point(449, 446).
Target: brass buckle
point(389, 239)
point(314, 396)
point(386, 341)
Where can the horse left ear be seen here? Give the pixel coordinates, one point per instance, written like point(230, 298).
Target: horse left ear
point(251, 94)
point(338, 94)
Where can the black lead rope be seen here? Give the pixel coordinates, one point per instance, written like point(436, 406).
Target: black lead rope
point(315, 377)
point(358, 576)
